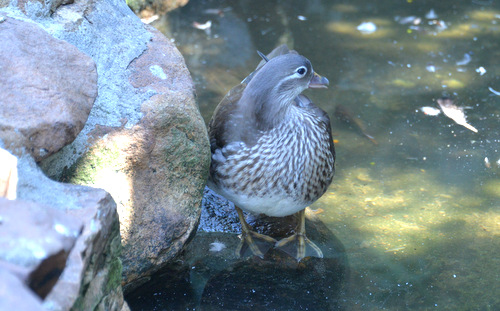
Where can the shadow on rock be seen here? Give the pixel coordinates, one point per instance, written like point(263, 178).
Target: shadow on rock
point(209, 276)
point(279, 282)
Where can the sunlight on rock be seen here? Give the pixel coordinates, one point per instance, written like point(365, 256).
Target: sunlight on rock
point(120, 186)
point(8, 175)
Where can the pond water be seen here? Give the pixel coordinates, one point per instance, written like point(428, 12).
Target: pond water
point(417, 207)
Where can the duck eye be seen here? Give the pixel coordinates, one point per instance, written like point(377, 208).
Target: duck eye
point(301, 70)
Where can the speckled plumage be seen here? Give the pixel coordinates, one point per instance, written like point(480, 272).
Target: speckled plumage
point(287, 169)
point(272, 148)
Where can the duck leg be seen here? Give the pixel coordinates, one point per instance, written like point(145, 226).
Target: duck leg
point(298, 245)
point(251, 241)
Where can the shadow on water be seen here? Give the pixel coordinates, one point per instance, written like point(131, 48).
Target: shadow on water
point(417, 213)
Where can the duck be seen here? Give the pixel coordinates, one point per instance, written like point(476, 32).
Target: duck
point(272, 150)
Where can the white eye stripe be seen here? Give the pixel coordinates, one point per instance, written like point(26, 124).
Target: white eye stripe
point(299, 73)
point(295, 75)
point(302, 70)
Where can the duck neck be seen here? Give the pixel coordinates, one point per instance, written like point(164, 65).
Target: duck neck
point(267, 111)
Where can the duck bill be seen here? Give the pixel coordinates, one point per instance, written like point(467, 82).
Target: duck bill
point(318, 82)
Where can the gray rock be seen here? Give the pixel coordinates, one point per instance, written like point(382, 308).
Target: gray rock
point(35, 9)
point(168, 166)
point(209, 276)
point(92, 277)
point(13, 292)
point(36, 239)
point(144, 141)
point(148, 7)
point(47, 89)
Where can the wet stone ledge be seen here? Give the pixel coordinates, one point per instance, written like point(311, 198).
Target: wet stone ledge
point(209, 276)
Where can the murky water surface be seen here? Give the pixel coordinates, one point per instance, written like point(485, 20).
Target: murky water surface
point(417, 207)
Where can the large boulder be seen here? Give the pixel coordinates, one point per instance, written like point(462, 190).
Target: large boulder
point(54, 81)
point(167, 166)
point(144, 141)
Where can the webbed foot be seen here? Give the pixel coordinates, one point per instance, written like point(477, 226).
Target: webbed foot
point(298, 245)
point(252, 243)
